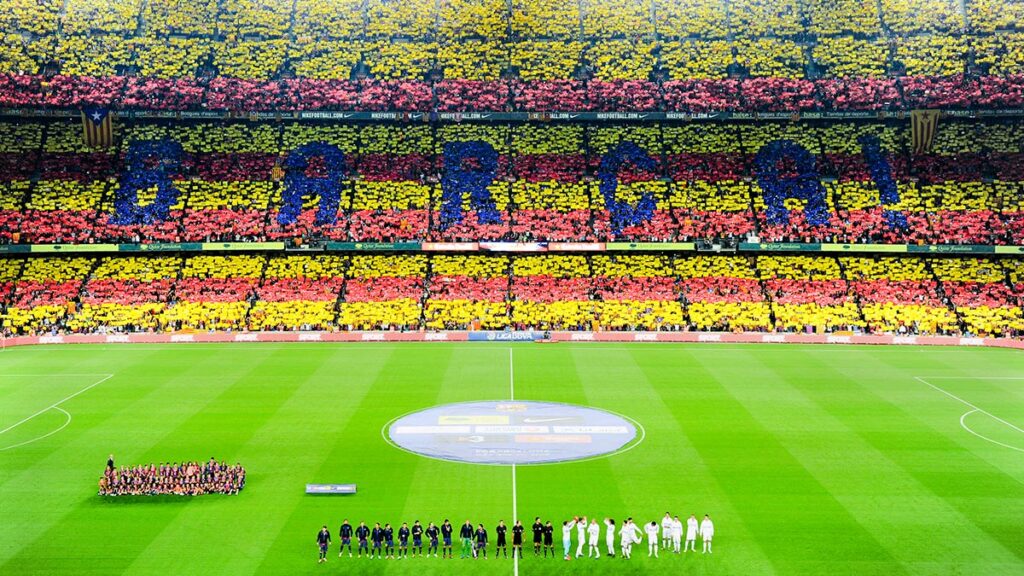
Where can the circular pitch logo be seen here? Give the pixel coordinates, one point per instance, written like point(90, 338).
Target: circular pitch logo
point(512, 432)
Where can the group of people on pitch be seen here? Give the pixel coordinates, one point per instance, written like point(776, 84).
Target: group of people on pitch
point(182, 479)
point(379, 541)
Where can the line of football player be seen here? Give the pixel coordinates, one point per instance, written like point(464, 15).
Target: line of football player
point(434, 540)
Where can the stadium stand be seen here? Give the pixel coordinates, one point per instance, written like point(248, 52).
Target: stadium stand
point(652, 292)
point(433, 179)
point(314, 54)
point(547, 186)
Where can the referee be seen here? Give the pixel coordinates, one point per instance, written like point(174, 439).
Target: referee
point(538, 535)
point(500, 545)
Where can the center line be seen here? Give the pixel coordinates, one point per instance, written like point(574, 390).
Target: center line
point(515, 511)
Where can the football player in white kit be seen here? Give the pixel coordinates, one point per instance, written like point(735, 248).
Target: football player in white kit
point(581, 534)
point(652, 539)
point(567, 536)
point(609, 536)
point(593, 532)
point(666, 530)
point(692, 530)
point(628, 534)
point(707, 532)
point(677, 534)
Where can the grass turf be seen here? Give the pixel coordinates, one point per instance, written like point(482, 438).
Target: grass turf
point(811, 460)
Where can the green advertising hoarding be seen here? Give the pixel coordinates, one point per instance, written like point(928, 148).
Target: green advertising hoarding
point(372, 246)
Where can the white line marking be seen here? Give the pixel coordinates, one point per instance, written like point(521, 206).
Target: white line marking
point(57, 403)
point(966, 427)
point(63, 426)
point(515, 506)
point(976, 377)
point(515, 516)
point(968, 404)
point(511, 377)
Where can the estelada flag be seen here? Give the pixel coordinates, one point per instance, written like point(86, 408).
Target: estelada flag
point(922, 129)
point(97, 128)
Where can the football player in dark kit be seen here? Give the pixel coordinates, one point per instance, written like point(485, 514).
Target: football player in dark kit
point(377, 536)
point(481, 542)
point(417, 538)
point(323, 540)
point(403, 541)
point(549, 539)
point(517, 539)
point(389, 540)
point(466, 533)
point(432, 533)
point(345, 534)
point(446, 533)
point(500, 546)
point(538, 535)
point(363, 535)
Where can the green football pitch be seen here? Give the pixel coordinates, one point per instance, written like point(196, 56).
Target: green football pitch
point(810, 459)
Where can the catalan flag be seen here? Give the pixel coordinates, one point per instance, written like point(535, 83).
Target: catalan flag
point(97, 128)
point(922, 129)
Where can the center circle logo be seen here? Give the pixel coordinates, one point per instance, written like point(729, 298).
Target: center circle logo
point(512, 432)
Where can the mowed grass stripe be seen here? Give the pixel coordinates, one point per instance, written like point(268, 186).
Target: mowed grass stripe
point(340, 404)
point(733, 440)
point(225, 421)
point(232, 422)
point(873, 485)
point(785, 506)
point(129, 414)
point(932, 448)
point(558, 492)
point(457, 491)
point(666, 472)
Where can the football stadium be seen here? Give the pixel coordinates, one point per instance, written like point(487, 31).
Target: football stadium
point(512, 287)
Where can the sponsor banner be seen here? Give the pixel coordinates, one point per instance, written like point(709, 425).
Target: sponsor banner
point(242, 246)
point(680, 337)
point(262, 116)
point(576, 246)
point(161, 247)
point(503, 336)
point(512, 444)
point(330, 488)
point(514, 246)
point(863, 248)
point(951, 249)
point(372, 246)
point(15, 248)
point(652, 246)
point(780, 247)
point(449, 246)
point(1009, 249)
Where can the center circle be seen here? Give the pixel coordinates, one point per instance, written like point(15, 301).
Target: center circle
point(512, 432)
